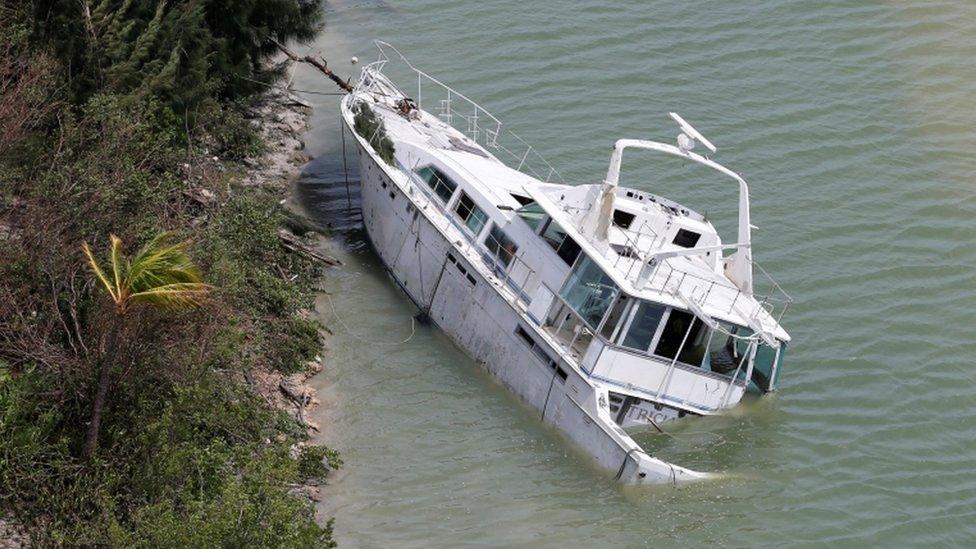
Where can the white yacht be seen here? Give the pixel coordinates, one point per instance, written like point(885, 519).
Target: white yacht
point(608, 309)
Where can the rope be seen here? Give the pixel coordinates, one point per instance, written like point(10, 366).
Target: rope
point(288, 88)
point(372, 341)
point(620, 471)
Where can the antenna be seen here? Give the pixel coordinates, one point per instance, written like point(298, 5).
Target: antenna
point(688, 136)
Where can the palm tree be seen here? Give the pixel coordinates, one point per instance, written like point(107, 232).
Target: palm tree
point(162, 275)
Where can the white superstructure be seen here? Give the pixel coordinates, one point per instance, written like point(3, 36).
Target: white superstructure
point(604, 307)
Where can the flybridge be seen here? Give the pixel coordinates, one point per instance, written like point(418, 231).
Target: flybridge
point(607, 308)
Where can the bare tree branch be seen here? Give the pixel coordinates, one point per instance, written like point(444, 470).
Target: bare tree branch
point(319, 63)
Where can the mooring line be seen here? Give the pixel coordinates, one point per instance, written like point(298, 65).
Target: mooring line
point(345, 168)
point(413, 327)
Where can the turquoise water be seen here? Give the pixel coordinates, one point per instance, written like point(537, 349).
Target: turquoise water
point(854, 124)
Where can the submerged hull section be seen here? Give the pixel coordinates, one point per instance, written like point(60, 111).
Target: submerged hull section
point(469, 305)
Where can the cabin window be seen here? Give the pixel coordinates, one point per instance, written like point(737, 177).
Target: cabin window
point(473, 217)
point(723, 355)
point(533, 214)
point(523, 200)
point(686, 239)
point(643, 326)
point(566, 248)
point(500, 245)
point(767, 366)
point(442, 185)
point(615, 317)
point(623, 219)
point(767, 360)
point(692, 348)
point(539, 352)
point(589, 291)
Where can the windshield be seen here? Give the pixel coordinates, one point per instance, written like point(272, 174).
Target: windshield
point(589, 291)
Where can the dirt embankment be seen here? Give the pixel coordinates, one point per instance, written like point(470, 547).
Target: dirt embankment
point(281, 119)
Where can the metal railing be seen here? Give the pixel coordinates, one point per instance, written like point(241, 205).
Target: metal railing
point(774, 302)
point(456, 110)
point(635, 243)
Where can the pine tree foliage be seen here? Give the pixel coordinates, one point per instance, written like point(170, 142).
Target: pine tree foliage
point(371, 128)
point(181, 51)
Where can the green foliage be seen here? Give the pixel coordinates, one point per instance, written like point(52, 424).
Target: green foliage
point(251, 268)
point(249, 262)
point(237, 138)
point(107, 169)
point(190, 466)
point(161, 274)
point(371, 128)
point(182, 51)
point(295, 342)
point(315, 462)
point(189, 455)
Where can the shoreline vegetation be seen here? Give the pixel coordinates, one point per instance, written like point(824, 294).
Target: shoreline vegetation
point(139, 120)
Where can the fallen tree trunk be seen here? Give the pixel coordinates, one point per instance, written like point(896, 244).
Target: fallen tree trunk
point(321, 64)
point(294, 244)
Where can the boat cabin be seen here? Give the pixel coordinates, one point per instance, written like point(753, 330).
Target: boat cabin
point(647, 310)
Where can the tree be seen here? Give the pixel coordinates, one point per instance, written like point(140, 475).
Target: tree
point(182, 51)
point(162, 275)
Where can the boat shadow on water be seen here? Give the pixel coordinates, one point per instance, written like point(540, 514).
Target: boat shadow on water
point(328, 191)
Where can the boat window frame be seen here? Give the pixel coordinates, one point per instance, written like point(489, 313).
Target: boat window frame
point(617, 340)
point(491, 226)
point(683, 344)
point(441, 178)
point(548, 221)
point(455, 203)
point(624, 317)
point(594, 329)
point(543, 221)
point(635, 306)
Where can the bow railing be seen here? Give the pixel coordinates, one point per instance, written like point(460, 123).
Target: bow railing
point(458, 111)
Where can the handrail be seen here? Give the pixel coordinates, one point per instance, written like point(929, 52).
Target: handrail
point(768, 304)
point(521, 155)
point(679, 365)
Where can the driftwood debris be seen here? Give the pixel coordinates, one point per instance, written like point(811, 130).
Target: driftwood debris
point(321, 64)
point(294, 244)
point(203, 197)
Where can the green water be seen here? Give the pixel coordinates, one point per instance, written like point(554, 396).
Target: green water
point(854, 124)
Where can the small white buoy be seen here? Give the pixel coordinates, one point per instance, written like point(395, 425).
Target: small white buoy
point(354, 60)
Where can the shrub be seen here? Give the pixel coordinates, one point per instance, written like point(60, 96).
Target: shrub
point(371, 128)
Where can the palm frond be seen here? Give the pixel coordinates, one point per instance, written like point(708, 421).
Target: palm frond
point(117, 262)
point(161, 274)
point(161, 263)
point(174, 296)
point(99, 273)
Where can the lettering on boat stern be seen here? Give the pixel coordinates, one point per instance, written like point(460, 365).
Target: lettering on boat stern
point(648, 416)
